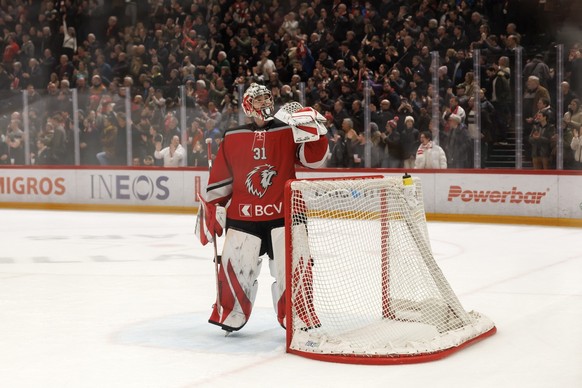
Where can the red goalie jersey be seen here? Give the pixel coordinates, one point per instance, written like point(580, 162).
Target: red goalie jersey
point(252, 166)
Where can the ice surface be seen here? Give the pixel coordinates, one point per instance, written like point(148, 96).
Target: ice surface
point(122, 300)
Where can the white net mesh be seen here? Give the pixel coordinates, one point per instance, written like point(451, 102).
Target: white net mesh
point(363, 280)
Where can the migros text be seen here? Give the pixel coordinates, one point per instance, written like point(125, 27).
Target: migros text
point(32, 186)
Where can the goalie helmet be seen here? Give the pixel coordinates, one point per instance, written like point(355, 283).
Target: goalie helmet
point(255, 106)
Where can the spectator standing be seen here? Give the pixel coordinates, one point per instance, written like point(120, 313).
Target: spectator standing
point(108, 142)
point(360, 150)
point(357, 115)
point(58, 145)
point(27, 50)
point(217, 91)
point(104, 69)
point(172, 155)
point(15, 142)
point(142, 144)
point(378, 149)
point(44, 155)
point(338, 151)
point(89, 139)
point(97, 88)
point(353, 159)
point(429, 155)
point(409, 139)
point(33, 74)
point(121, 122)
point(445, 83)
point(170, 129)
point(385, 114)
point(542, 139)
point(470, 84)
point(573, 116)
point(454, 108)
point(339, 113)
point(11, 50)
point(341, 22)
point(532, 94)
point(538, 68)
point(69, 39)
point(393, 148)
point(459, 66)
point(458, 144)
point(500, 98)
point(397, 82)
point(47, 65)
point(198, 157)
point(16, 77)
point(567, 94)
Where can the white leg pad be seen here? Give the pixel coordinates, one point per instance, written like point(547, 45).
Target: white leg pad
point(302, 280)
point(240, 268)
point(277, 269)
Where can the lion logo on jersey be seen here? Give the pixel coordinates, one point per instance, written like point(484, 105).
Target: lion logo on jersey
point(259, 180)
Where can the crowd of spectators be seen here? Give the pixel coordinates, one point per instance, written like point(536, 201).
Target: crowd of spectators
point(149, 49)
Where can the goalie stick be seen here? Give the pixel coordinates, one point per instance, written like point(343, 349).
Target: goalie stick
point(216, 257)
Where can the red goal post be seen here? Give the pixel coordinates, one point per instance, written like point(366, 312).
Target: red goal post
point(362, 283)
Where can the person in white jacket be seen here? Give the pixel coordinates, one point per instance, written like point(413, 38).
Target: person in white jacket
point(173, 154)
point(429, 155)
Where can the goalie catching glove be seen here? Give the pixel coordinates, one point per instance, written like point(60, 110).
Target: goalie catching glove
point(306, 123)
point(210, 221)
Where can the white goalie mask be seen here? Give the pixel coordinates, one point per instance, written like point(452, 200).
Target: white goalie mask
point(258, 102)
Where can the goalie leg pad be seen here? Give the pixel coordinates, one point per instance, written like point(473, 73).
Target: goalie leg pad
point(277, 269)
point(302, 281)
point(237, 280)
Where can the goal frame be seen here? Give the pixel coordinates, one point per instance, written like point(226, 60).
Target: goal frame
point(368, 359)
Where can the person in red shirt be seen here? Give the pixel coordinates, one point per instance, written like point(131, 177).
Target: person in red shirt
point(11, 50)
point(252, 165)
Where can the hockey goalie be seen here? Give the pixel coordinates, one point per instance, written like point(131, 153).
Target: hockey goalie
point(252, 165)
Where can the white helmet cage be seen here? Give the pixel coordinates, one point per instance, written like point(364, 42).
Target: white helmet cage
point(265, 112)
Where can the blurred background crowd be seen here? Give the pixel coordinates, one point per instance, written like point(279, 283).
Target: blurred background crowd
point(120, 82)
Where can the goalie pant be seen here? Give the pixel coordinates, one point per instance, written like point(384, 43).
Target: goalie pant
point(241, 265)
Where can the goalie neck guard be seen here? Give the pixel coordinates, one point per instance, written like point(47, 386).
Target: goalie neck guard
point(258, 102)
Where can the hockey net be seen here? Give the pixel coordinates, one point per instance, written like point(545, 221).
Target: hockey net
point(362, 283)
